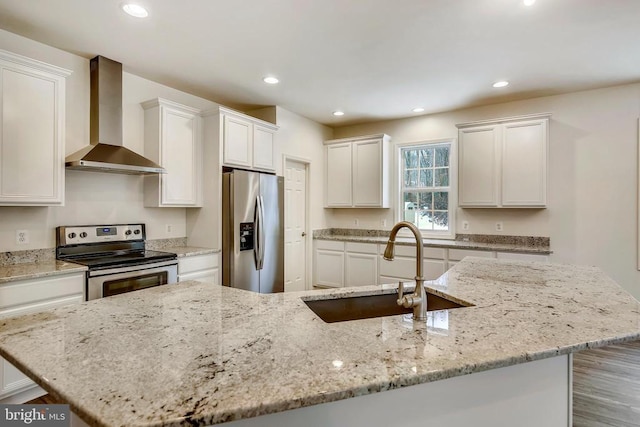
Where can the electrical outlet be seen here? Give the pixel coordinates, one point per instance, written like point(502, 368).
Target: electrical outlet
point(169, 228)
point(465, 225)
point(499, 226)
point(383, 223)
point(22, 237)
point(356, 222)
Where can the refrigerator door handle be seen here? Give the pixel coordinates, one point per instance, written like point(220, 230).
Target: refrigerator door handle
point(261, 234)
point(256, 233)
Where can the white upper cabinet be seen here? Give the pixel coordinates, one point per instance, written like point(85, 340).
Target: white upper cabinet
point(173, 139)
point(503, 163)
point(338, 175)
point(32, 120)
point(247, 142)
point(357, 172)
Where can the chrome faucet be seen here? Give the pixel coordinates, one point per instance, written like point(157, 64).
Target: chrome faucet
point(417, 300)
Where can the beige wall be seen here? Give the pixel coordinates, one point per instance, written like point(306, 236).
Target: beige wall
point(301, 138)
point(593, 177)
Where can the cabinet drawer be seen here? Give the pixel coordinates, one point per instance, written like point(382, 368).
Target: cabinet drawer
point(197, 263)
point(410, 251)
point(406, 268)
point(523, 257)
point(209, 275)
point(35, 292)
point(363, 248)
point(331, 245)
point(459, 254)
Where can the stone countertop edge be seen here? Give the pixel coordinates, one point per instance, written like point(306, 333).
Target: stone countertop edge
point(188, 251)
point(231, 354)
point(26, 271)
point(447, 244)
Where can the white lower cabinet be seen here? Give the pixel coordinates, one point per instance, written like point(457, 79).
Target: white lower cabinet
point(337, 264)
point(328, 264)
point(203, 268)
point(30, 296)
point(361, 264)
point(456, 255)
point(403, 266)
point(523, 257)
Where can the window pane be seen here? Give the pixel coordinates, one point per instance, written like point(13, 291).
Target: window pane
point(426, 200)
point(410, 204)
point(425, 220)
point(426, 178)
point(426, 158)
point(442, 177)
point(441, 221)
point(410, 178)
point(441, 200)
point(410, 158)
point(442, 156)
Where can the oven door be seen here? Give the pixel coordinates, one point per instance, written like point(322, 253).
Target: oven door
point(114, 281)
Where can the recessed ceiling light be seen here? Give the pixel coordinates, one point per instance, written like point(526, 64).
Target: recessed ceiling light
point(529, 2)
point(418, 110)
point(338, 113)
point(502, 83)
point(135, 10)
point(270, 80)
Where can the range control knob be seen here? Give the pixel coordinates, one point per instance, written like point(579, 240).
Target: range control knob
point(127, 233)
point(83, 234)
point(71, 235)
point(136, 232)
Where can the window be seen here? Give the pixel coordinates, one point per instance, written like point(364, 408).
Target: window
point(426, 196)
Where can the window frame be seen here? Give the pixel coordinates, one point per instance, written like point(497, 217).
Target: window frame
point(453, 186)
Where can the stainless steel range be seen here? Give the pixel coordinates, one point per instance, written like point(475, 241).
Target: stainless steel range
point(116, 258)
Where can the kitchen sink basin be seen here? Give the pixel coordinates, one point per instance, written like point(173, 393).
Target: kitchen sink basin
point(366, 307)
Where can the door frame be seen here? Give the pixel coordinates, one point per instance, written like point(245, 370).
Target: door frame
point(307, 213)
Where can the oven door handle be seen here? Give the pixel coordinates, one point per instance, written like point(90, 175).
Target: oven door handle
point(137, 267)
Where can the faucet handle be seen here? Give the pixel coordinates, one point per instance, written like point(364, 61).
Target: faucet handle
point(400, 293)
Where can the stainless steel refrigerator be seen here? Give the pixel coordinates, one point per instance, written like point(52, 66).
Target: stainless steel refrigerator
point(253, 231)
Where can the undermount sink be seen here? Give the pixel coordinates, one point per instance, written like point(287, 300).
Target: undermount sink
point(366, 307)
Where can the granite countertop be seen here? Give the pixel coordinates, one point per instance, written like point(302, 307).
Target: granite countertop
point(441, 243)
point(198, 354)
point(187, 251)
point(33, 270)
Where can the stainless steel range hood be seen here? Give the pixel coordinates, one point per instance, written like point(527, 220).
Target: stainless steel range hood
point(106, 153)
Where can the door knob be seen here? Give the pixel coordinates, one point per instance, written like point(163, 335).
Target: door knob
point(304, 234)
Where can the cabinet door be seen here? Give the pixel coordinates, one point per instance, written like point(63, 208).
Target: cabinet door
point(524, 164)
point(361, 269)
point(479, 166)
point(263, 148)
point(367, 173)
point(238, 142)
point(32, 136)
point(181, 157)
point(338, 175)
point(329, 268)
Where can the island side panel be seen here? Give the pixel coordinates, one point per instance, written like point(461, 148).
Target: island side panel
point(532, 394)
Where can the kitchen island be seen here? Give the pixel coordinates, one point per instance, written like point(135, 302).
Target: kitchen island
point(199, 354)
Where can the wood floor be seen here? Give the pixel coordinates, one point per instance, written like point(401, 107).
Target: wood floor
point(606, 386)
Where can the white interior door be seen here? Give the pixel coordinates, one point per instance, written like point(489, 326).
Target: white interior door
point(295, 222)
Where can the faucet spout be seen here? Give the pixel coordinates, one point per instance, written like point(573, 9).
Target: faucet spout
point(417, 300)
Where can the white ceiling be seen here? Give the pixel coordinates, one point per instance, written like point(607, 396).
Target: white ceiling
point(374, 59)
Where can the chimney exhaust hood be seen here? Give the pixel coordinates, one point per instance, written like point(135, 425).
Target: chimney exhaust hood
point(106, 153)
